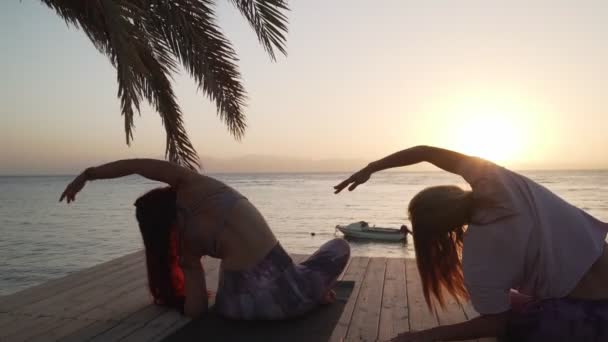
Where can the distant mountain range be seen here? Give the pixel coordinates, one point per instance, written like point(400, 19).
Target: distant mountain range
point(257, 163)
point(266, 163)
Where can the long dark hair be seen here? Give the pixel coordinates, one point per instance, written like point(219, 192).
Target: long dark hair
point(156, 214)
point(439, 218)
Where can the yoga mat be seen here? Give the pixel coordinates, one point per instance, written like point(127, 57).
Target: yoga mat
point(316, 325)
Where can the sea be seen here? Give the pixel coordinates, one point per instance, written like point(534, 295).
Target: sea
point(42, 239)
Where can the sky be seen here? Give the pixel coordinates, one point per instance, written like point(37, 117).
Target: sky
point(521, 83)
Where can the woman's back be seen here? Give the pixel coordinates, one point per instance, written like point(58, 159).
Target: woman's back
point(247, 238)
point(220, 222)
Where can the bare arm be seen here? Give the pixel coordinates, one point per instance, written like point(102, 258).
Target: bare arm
point(197, 302)
point(153, 169)
point(482, 326)
point(444, 159)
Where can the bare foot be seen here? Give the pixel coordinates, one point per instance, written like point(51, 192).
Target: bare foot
point(330, 297)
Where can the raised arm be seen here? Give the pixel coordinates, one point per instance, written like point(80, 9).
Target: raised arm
point(444, 159)
point(153, 169)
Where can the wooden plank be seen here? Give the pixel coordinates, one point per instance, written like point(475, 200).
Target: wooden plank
point(13, 320)
point(154, 328)
point(105, 293)
point(71, 313)
point(420, 317)
point(33, 328)
point(146, 314)
point(355, 272)
point(87, 332)
point(100, 328)
point(125, 303)
point(70, 277)
point(55, 328)
point(59, 285)
point(6, 318)
point(106, 310)
point(65, 328)
point(394, 314)
point(117, 332)
point(45, 302)
point(13, 331)
point(81, 292)
point(110, 307)
point(366, 316)
point(172, 328)
point(114, 309)
point(451, 314)
point(138, 297)
point(102, 294)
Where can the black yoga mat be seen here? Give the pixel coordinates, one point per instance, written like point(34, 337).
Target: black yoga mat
point(314, 326)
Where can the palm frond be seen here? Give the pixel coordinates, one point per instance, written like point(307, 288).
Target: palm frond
point(146, 39)
point(193, 37)
point(268, 20)
point(142, 69)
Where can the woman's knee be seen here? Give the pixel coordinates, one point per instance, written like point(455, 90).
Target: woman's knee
point(338, 246)
point(341, 252)
point(343, 246)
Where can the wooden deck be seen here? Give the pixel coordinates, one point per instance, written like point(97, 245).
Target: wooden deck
point(110, 302)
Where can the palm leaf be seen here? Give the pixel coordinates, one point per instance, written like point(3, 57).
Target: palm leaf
point(146, 39)
point(268, 20)
point(193, 37)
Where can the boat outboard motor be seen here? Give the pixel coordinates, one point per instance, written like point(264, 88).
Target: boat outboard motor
point(405, 230)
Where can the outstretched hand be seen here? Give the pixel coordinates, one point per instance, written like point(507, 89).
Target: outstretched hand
point(354, 180)
point(73, 188)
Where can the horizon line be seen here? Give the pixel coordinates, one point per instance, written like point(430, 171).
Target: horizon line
point(316, 172)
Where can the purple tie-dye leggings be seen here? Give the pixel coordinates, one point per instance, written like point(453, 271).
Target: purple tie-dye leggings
point(562, 319)
point(276, 288)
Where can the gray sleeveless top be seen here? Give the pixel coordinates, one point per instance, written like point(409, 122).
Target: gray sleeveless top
point(221, 204)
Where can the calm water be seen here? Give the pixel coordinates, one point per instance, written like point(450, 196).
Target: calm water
point(42, 239)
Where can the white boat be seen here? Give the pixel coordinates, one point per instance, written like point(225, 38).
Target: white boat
point(362, 230)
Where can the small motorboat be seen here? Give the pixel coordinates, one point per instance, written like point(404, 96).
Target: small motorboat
point(362, 230)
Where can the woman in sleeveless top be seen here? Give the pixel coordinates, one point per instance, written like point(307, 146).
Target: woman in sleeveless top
point(197, 215)
point(534, 266)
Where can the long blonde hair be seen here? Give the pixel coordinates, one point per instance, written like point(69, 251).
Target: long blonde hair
point(439, 217)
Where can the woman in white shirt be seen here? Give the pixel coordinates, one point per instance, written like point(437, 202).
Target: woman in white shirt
point(507, 239)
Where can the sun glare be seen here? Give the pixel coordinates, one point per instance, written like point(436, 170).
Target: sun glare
point(493, 138)
point(488, 133)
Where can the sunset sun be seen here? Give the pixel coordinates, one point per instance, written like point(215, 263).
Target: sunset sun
point(492, 138)
point(491, 134)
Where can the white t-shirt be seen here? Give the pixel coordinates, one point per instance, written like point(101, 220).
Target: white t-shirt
point(523, 237)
